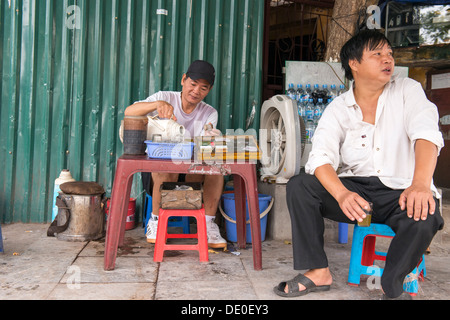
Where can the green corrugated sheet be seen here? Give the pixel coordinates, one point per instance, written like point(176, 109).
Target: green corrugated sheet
point(69, 69)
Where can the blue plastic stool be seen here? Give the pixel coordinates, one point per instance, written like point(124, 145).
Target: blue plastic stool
point(363, 255)
point(343, 232)
point(1, 239)
point(173, 221)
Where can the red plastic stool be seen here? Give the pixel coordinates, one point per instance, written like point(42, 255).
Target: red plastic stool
point(162, 235)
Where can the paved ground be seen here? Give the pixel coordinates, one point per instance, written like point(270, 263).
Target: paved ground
point(35, 266)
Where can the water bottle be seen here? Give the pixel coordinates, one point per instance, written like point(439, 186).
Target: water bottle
point(291, 91)
point(328, 102)
point(325, 92)
point(318, 109)
point(316, 89)
point(299, 92)
point(341, 90)
point(333, 92)
point(308, 89)
point(309, 128)
point(309, 112)
point(322, 107)
point(64, 177)
point(308, 92)
point(303, 102)
point(316, 93)
point(301, 108)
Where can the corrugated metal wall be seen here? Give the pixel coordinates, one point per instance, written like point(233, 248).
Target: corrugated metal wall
point(69, 69)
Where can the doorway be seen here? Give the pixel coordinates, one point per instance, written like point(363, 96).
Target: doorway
point(293, 31)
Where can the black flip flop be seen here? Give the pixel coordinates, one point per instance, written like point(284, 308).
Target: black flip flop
point(293, 289)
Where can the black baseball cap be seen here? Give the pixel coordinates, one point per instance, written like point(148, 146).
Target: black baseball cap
point(201, 69)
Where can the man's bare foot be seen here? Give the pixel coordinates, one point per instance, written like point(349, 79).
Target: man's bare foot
point(321, 277)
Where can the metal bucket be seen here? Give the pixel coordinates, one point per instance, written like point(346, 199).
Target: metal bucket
point(86, 218)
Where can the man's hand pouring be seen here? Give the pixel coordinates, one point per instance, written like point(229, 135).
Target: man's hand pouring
point(165, 111)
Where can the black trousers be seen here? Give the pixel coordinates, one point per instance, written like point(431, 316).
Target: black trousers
point(308, 203)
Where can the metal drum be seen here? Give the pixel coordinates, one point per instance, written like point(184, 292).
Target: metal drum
point(86, 217)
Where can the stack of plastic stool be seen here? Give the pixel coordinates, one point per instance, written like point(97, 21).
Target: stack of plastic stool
point(1, 239)
point(173, 222)
point(162, 235)
point(363, 255)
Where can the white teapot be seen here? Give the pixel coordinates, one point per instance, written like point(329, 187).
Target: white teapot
point(164, 130)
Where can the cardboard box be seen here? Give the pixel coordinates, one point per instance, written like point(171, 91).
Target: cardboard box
point(181, 195)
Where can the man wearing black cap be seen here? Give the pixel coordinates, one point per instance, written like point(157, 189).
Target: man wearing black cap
point(188, 109)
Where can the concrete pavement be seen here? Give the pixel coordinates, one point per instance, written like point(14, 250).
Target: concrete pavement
point(35, 266)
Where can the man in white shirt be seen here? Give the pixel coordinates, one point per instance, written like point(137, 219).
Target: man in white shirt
point(188, 109)
point(383, 134)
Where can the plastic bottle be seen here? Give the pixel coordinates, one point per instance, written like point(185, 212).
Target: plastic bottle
point(299, 92)
point(316, 88)
point(341, 90)
point(305, 102)
point(318, 110)
point(316, 93)
point(333, 92)
point(328, 102)
point(64, 177)
point(301, 108)
point(291, 91)
point(309, 128)
point(325, 92)
point(308, 92)
point(309, 111)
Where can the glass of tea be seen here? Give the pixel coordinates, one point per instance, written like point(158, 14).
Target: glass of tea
point(368, 219)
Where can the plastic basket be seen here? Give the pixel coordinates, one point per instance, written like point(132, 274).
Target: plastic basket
point(174, 151)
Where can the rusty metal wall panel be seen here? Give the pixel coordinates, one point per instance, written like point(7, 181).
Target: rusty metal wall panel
point(69, 68)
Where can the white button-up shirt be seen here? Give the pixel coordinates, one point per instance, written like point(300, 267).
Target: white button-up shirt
point(385, 149)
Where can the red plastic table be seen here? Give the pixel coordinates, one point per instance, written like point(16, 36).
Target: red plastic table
point(244, 179)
